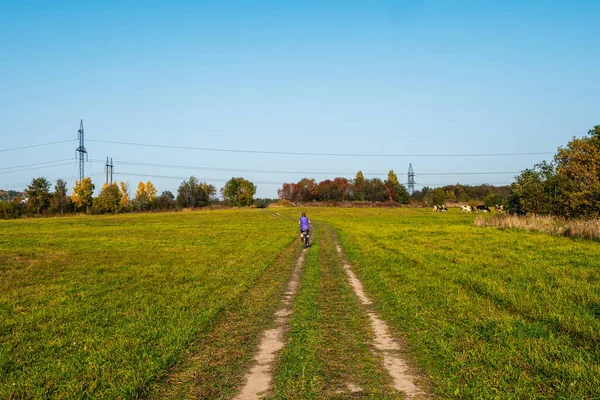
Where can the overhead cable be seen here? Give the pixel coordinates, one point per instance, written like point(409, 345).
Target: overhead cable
point(184, 178)
point(38, 145)
point(42, 167)
point(283, 171)
point(42, 163)
point(288, 153)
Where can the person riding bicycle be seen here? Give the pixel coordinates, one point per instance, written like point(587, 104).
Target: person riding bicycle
point(305, 224)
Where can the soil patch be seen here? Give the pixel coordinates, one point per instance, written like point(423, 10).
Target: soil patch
point(404, 380)
point(259, 377)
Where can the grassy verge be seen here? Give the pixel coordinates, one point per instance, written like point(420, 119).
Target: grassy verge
point(215, 365)
point(487, 313)
point(102, 306)
point(329, 354)
point(587, 229)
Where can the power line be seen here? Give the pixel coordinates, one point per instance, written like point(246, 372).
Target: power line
point(280, 182)
point(30, 169)
point(287, 153)
point(38, 145)
point(452, 184)
point(187, 177)
point(283, 171)
point(42, 163)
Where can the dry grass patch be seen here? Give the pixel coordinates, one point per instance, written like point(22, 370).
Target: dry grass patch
point(588, 229)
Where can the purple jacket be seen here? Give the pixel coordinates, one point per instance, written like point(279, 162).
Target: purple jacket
point(304, 225)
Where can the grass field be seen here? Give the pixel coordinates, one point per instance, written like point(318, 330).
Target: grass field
point(488, 313)
point(171, 305)
point(102, 306)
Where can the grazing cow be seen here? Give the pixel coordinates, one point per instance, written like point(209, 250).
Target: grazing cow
point(499, 207)
point(439, 208)
point(466, 209)
point(483, 208)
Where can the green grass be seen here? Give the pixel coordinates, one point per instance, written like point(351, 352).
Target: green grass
point(213, 366)
point(488, 313)
point(102, 307)
point(172, 305)
point(329, 344)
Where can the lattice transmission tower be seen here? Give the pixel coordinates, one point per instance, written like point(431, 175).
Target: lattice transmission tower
point(411, 180)
point(81, 151)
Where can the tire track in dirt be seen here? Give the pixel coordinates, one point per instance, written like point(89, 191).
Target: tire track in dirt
point(258, 380)
point(404, 379)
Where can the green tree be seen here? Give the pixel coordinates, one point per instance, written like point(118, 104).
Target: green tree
point(166, 201)
point(239, 192)
point(109, 200)
point(83, 192)
point(38, 195)
point(192, 193)
point(60, 202)
point(436, 196)
point(534, 191)
point(375, 190)
point(492, 200)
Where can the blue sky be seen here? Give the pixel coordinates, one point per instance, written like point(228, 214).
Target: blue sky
point(381, 77)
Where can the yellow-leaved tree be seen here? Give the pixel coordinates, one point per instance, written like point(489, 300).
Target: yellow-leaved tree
point(125, 201)
point(145, 195)
point(82, 194)
point(150, 191)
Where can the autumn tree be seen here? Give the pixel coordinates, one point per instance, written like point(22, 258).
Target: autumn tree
point(285, 193)
point(396, 191)
point(60, 202)
point(125, 201)
point(38, 195)
point(325, 190)
point(568, 186)
point(358, 187)
point(578, 170)
point(83, 192)
point(145, 195)
point(340, 189)
point(306, 190)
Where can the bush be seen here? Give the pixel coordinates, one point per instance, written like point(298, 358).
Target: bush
point(263, 203)
point(10, 210)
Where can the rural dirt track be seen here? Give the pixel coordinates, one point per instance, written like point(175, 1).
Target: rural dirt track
point(404, 380)
point(257, 381)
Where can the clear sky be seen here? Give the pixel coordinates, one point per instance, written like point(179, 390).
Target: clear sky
point(408, 78)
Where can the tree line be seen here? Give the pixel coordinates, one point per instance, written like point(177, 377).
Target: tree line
point(113, 198)
point(568, 186)
point(390, 190)
point(342, 189)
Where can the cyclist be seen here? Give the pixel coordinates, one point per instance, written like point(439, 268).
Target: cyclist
point(305, 224)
